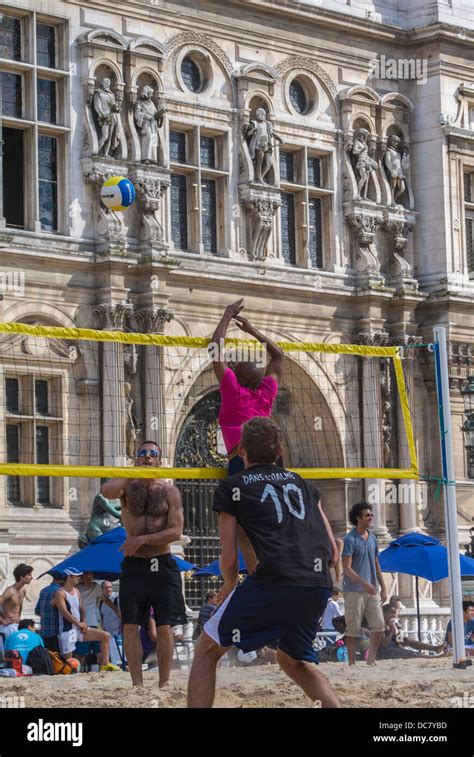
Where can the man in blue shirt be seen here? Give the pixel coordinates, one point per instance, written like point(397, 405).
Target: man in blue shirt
point(49, 616)
point(468, 617)
point(362, 575)
point(24, 640)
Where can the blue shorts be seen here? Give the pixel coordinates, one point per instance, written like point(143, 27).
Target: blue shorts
point(84, 648)
point(257, 613)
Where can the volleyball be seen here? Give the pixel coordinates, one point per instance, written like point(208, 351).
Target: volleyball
point(117, 193)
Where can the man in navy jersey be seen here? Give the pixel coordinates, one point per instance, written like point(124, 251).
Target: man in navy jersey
point(285, 595)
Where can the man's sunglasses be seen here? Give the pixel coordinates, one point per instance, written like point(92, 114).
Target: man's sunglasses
point(151, 452)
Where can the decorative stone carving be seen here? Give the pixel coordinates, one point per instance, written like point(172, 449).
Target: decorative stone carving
point(114, 316)
point(259, 135)
point(399, 267)
point(130, 358)
point(363, 150)
point(386, 389)
point(131, 428)
point(298, 61)
point(372, 338)
point(366, 259)
point(104, 517)
point(397, 164)
point(148, 120)
point(152, 320)
point(106, 107)
point(261, 207)
point(150, 186)
point(109, 225)
point(461, 363)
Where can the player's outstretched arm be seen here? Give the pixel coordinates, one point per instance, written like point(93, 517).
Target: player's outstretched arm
point(277, 356)
point(219, 335)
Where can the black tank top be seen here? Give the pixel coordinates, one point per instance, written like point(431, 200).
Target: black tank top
point(278, 511)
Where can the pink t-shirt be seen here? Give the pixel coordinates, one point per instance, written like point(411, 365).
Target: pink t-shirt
point(239, 404)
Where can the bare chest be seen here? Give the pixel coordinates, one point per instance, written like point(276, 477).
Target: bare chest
point(142, 500)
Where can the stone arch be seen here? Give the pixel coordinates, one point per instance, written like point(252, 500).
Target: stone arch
point(362, 92)
point(306, 64)
point(202, 42)
point(395, 98)
point(103, 38)
point(147, 45)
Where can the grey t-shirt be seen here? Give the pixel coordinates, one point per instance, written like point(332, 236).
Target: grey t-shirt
point(363, 553)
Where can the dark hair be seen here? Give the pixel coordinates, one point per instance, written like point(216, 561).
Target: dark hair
point(356, 511)
point(261, 439)
point(394, 598)
point(21, 571)
point(335, 590)
point(211, 595)
point(467, 604)
point(387, 607)
point(26, 623)
point(149, 441)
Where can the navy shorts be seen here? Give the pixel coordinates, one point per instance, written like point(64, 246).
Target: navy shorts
point(145, 584)
point(257, 613)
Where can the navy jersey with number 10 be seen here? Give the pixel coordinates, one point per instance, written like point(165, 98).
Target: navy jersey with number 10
point(278, 510)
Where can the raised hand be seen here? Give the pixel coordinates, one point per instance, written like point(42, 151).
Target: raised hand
point(244, 324)
point(232, 310)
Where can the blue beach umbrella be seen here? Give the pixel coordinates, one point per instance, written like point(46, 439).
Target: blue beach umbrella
point(102, 557)
point(213, 569)
point(422, 556)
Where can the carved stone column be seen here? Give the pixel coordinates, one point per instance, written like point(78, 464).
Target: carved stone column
point(261, 203)
point(409, 494)
point(114, 416)
point(152, 320)
point(110, 231)
point(398, 227)
point(365, 225)
point(151, 182)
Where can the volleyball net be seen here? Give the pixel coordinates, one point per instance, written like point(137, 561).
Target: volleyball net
point(79, 402)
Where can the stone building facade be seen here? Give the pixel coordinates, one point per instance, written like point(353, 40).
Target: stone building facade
point(317, 157)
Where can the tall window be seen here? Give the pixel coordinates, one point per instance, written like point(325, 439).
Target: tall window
point(33, 435)
point(198, 190)
point(34, 79)
point(469, 219)
point(304, 213)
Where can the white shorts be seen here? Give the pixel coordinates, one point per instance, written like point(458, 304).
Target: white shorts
point(69, 639)
point(7, 630)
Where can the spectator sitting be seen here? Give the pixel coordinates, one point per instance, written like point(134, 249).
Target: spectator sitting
point(49, 615)
point(332, 611)
point(208, 608)
point(394, 643)
point(468, 617)
point(24, 640)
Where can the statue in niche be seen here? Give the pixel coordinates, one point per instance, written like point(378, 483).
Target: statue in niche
point(259, 134)
point(104, 517)
point(365, 165)
point(107, 113)
point(397, 164)
point(131, 425)
point(148, 120)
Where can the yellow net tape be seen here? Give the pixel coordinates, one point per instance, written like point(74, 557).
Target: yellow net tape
point(86, 471)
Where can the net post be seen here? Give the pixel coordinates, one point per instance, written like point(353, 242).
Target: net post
point(447, 457)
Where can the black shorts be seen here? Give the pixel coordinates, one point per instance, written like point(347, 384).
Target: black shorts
point(151, 582)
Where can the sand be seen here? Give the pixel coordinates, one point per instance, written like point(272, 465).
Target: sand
point(391, 683)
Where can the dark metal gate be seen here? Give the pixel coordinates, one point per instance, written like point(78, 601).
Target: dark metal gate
point(198, 446)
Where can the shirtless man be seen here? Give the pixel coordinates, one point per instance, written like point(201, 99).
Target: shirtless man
point(153, 518)
point(12, 599)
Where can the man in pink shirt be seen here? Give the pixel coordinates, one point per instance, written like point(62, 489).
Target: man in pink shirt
point(248, 391)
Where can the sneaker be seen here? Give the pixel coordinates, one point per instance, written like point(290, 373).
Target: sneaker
point(109, 667)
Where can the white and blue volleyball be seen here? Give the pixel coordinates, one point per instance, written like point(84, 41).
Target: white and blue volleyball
point(117, 193)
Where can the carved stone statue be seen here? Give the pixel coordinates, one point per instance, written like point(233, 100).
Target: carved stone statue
point(132, 428)
point(259, 135)
point(107, 113)
point(397, 164)
point(148, 119)
point(104, 517)
point(365, 164)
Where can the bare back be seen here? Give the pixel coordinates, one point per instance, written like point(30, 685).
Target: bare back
point(145, 511)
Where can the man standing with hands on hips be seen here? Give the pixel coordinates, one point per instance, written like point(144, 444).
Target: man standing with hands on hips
point(362, 575)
